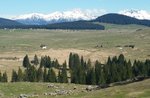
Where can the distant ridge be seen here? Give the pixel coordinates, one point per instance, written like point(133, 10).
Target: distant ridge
point(120, 19)
point(7, 23)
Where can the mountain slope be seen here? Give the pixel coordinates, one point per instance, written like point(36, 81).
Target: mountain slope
point(121, 19)
point(139, 14)
point(56, 17)
point(7, 22)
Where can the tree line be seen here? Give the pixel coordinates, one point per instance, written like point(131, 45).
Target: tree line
point(79, 71)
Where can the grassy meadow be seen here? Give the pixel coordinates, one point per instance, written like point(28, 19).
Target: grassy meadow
point(133, 90)
point(16, 43)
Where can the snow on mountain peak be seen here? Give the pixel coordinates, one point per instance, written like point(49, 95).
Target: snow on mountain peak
point(73, 15)
point(139, 14)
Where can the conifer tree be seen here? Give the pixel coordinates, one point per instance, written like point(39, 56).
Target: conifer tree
point(26, 62)
point(51, 76)
point(0, 77)
point(97, 72)
point(4, 77)
point(45, 75)
point(14, 76)
point(70, 60)
point(20, 75)
point(32, 73)
point(64, 73)
point(39, 75)
point(36, 60)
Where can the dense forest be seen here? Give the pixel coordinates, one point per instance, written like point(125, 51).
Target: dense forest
point(78, 25)
point(79, 71)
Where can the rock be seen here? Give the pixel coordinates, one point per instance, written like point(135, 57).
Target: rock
point(23, 96)
point(50, 86)
point(45, 94)
point(90, 88)
point(74, 88)
point(53, 94)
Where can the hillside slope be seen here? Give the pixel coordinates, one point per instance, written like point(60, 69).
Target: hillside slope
point(134, 90)
point(121, 19)
point(7, 22)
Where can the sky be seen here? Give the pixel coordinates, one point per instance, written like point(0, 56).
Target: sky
point(9, 8)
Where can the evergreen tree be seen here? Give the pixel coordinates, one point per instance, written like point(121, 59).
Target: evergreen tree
point(0, 77)
point(4, 77)
point(59, 80)
point(42, 63)
point(36, 60)
point(63, 75)
point(45, 75)
point(89, 64)
point(26, 62)
point(70, 60)
point(51, 76)
point(39, 75)
point(129, 70)
point(20, 75)
point(32, 73)
point(14, 76)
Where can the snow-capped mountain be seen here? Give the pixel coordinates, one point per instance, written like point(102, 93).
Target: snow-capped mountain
point(57, 17)
point(139, 14)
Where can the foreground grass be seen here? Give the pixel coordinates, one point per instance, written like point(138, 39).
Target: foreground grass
point(133, 90)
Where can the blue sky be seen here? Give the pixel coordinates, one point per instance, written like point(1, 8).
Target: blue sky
point(16, 7)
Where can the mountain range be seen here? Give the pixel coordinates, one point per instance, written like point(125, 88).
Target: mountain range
point(139, 14)
point(73, 15)
point(55, 17)
point(74, 20)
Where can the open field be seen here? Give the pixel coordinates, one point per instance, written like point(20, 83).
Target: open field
point(17, 43)
point(133, 90)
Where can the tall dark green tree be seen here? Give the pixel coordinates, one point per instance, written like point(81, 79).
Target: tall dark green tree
point(32, 74)
point(45, 75)
point(20, 75)
point(26, 62)
point(4, 77)
point(63, 75)
point(0, 77)
point(39, 75)
point(36, 60)
point(14, 76)
point(51, 76)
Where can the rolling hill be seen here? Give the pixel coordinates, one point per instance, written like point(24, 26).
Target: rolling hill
point(8, 23)
point(120, 19)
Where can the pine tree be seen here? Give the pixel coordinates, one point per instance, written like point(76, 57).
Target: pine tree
point(32, 73)
point(51, 76)
point(39, 75)
point(64, 73)
point(42, 63)
point(26, 62)
point(14, 76)
point(70, 60)
point(20, 75)
point(59, 80)
point(89, 64)
point(36, 60)
point(45, 75)
point(0, 77)
point(4, 77)
point(129, 70)
point(97, 72)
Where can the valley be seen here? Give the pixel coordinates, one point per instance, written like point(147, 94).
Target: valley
point(16, 43)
